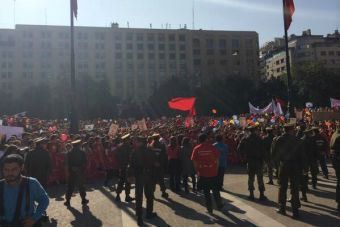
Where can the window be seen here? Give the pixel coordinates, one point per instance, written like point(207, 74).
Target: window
point(277, 62)
point(172, 37)
point(196, 42)
point(331, 53)
point(278, 70)
point(210, 52)
point(338, 53)
point(140, 37)
point(161, 56)
point(129, 36)
point(140, 56)
point(282, 68)
point(161, 37)
point(151, 37)
point(323, 53)
point(235, 43)
point(129, 46)
point(118, 46)
point(140, 66)
point(172, 47)
point(182, 47)
point(140, 46)
point(210, 43)
point(182, 38)
point(211, 62)
point(118, 37)
point(197, 62)
point(151, 46)
point(161, 47)
point(151, 56)
point(118, 55)
point(223, 62)
point(222, 43)
point(183, 56)
point(197, 52)
point(172, 56)
point(223, 52)
point(249, 53)
point(129, 56)
point(282, 60)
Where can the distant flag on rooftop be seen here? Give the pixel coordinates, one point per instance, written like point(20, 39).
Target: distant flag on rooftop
point(74, 7)
point(289, 9)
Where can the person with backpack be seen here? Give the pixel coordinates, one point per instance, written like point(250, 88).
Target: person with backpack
point(23, 200)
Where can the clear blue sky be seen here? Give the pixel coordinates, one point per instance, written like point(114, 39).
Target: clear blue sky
point(263, 16)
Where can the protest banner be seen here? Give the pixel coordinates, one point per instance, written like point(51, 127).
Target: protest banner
point(89, 127)
point(10, 131)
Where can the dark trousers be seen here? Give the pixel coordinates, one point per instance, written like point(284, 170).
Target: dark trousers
point(159, 175)
point(175, 174)
point(289, 172)
point(220, 177)
point(76, 178)
point(323, 164)
point(270, 170)
point(255, 168)
point(314, 171)
point(123, 181)
point(146, 183)
point(336, 165)
point(110, 174)
point(209, 184)
point(185, 182)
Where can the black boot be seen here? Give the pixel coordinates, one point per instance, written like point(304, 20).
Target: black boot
point(118, 198)
point(129, 199)
point(151, 215)
point(263, 197)
point(140, 221)
point(67, 203)
point(84, 202)
point(281, 210)
point(251, 195)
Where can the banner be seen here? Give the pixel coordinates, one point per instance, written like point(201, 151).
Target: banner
point(335, 103)
point(10, 131)
point(113, 130)
point(89, 127)
point(268, 109)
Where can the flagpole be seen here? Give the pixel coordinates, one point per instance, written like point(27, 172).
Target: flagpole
point(289, 75)
point(74, 125)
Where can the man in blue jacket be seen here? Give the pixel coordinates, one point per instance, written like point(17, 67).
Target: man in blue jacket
point(19, 196)
point(223, 149)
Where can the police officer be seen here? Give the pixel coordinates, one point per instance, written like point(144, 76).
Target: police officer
point(38, 162)
point(142, 167)
point(267, 141)
point(335, 153)
point(162, 162)
point(75, 165)
point(311, 152)
point(123, 156)
point(252, 146)
point(321, 146)
point(287, 150)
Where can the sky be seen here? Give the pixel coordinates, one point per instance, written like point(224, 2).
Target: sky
point(262, 16)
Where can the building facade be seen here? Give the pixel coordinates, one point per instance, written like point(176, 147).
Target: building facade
point(302, 49)
point(132, 61)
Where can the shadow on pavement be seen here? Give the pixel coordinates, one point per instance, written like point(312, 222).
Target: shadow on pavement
point(86, 218)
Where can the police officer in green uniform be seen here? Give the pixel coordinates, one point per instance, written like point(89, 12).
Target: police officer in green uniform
point(335, 153)
point(287, 150)
point(142, 166)
point(321, 146)
point(311, 152)
point(268, 140)
point(252, 146)
point(75, 165)
point(123, 156)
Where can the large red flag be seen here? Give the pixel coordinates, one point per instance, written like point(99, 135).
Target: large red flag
point(289, 10)
point(74, 6)
point(184, 104)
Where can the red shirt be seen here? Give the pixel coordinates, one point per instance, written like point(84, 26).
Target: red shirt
point(206, 156)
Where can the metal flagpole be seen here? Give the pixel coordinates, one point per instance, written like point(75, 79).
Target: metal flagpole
point(289, 75)
point(74, 125)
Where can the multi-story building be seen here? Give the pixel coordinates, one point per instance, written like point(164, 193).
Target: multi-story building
point(302, 49)
point(132, 61)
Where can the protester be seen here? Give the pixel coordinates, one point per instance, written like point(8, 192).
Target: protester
point(205, 158)
point(24, 200)
point(187, 165)
point(222, 164)
point(335, 152)
point(174, 165)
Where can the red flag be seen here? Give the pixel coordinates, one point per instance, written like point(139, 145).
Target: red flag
point(184, 104)
point(74, 8)
point(289, 10)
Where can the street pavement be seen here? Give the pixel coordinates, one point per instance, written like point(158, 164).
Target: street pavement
point(184, 210)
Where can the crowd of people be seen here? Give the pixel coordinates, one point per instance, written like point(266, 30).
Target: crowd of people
point(145, 157)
